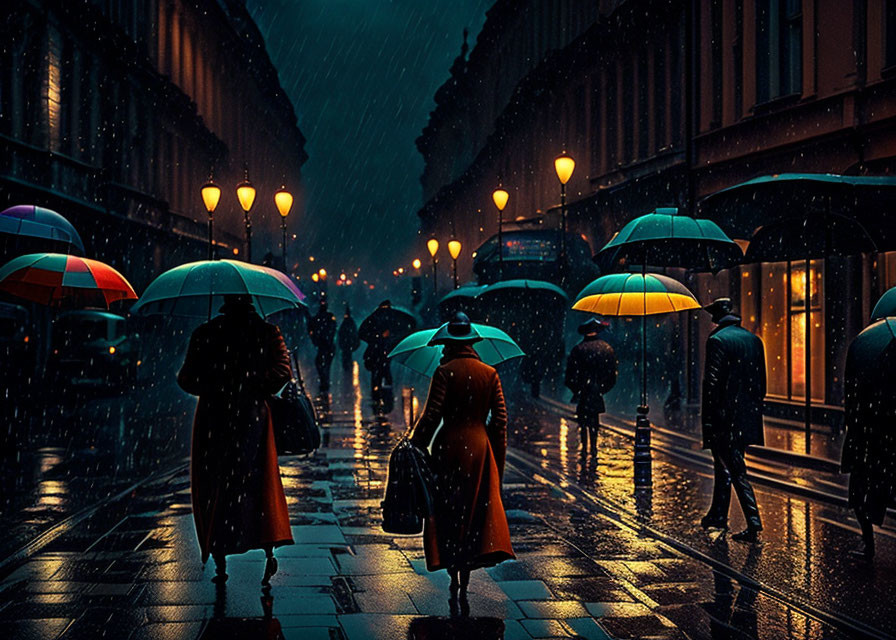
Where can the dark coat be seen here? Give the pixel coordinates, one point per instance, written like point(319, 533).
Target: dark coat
point(469, 528)
point(733, 386)
point(322, 330)
point(234, 363)
point(591, 370)
point(348, 335)
point(869, 450)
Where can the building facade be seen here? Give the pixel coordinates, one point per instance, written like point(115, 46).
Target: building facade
point(115, 114)
point(664, 103)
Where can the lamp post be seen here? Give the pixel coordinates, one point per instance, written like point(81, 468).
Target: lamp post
point(322, 275)
point(500, 198)
point(432, 245)
point(245, 193)
point(283, 199)
point(415, 282)
point(454, 247)
point(211, 195)
point(564, 166)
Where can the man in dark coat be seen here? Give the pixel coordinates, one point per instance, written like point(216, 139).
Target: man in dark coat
point(590, 373)
point(380, 341)
point(234, 363)
point(322, 329)
point(869, 451)
point(348, 339)
point(733, 391)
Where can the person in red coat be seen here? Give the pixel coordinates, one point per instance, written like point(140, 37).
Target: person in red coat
point(469, 529)
point(236, 361)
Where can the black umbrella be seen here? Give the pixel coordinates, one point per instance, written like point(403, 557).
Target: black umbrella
point(389, 323)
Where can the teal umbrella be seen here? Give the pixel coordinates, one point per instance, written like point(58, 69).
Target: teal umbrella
point(415, 353)
point(665, 239)
point(885, 307)
point(195, 289)
point(512, 286)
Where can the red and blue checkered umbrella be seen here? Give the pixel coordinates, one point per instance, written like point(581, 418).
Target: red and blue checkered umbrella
point(56, 279)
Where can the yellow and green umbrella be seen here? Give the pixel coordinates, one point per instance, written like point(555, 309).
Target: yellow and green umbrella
point(636, 294)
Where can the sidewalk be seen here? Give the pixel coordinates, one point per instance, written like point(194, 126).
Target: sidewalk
point(132, 570)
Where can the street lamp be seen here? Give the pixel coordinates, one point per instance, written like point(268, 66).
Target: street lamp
point(416, 282)
point(245, 193)
point(564, 165)
point(454, 250)
point(432, 245)
point(500, 198)
point(211, 195)
point(283, 199)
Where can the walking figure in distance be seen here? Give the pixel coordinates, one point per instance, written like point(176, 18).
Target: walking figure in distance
point(234, 362)
point(469, 529)
point(733, 392)
point(348, 339)
point(590, 373)
point(322, 330)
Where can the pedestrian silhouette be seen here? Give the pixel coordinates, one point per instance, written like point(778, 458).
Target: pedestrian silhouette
point(590, 373)
point(469, 527)
point(381, 337)
point(322, 330)
point(869, 450)
point(348, 339)
point(234, 362)
point(733, 392)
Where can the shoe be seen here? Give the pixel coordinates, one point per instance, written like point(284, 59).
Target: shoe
point(270, 568)
point(750, 534)
point(712, 522)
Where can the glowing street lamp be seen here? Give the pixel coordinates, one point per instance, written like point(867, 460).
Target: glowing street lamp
point(283, 199)
point(500, 198)
point(454, 247)
point(211, 195)
point(564, 165)
point(245, 193)
point(432, 245)
point(416, 263)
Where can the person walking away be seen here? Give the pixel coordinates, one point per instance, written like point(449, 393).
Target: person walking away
point(380, 342)
point(234, 362)
point(869, 450)
point(469, 528)
point(322, 330)
point(591, 371)
point(348, 339)
point(733, 392)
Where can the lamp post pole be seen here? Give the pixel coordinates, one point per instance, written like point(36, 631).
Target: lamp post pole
point(211, 195)
point(432, 245)
point(564, 165)
point(500, 197)
point(283, 199)
point(245, 193)
point(454, 248)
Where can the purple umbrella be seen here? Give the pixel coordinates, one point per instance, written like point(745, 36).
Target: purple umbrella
point(30, 221)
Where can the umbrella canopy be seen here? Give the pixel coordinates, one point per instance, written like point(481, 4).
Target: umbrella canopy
point(398, 321)
point(194, 289)
point(56, 279)
point(885, 307)
point(635, 294)
point(27, 220)
point(665, 239)
point(530, 287)
point(415, 353)
point(467, 291)
point(809, 237)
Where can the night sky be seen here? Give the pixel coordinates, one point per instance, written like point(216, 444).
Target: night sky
point(362, 75)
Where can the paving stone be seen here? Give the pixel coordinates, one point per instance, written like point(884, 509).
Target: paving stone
point(34, 629)
point(525, 589)
point(318, 534)
point(375, 626)
point(552, 609)
point(168, 631)
point(586, 628)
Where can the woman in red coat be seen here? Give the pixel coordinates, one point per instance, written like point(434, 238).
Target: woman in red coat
point(234, 363)
point(469, 529)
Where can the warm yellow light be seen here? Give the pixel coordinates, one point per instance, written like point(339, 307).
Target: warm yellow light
point(310, 258)
point(211, 195)
point(432, 246)
point(322, 273)
point(564, 166)
point(111, 350)
point(400, 269)
point(342, 276)
point(283, 200)
point(236, 251)
point(454, 248)
point(416, 263)
point(245, 193)
point(315, 277)
point(500, 196)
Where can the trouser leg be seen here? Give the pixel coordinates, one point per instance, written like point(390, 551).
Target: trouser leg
point(733, 458)
point(721, 489)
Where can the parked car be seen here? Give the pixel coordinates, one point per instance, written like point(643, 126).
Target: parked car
point(92, 349)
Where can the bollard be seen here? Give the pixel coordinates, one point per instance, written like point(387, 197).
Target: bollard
point(643, 458)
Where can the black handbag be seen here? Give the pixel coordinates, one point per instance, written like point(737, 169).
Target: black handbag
point(408, 499)
point(296, 431)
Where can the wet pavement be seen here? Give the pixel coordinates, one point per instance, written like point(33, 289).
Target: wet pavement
point(586, 564)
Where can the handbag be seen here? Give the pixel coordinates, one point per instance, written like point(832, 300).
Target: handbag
point(408, 498)
point(296, 431)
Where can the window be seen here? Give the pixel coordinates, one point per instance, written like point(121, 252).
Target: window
point(716, 61)
point(628, 107)
point(612, 117)
point(643, 113)
point(779, 70)
point(890, 34)
point(659, 96)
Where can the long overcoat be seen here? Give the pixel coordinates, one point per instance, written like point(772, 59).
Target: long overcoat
point(469, 528)
point(591, 371)
point(234, 363)
point(734, 385)
point(869, 450)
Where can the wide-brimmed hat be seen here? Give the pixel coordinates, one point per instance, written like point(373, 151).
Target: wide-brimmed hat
point(459, 329)
point(719, 308)
point(593, 325)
